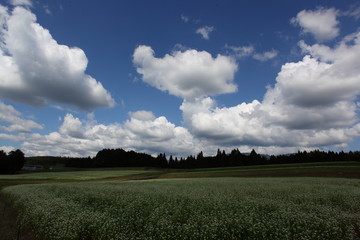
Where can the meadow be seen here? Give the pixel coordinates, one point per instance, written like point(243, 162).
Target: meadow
point(198, 208)
point(210, 203)
point(76, 175)
point(318, 169)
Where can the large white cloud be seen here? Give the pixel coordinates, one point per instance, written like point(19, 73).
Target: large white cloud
point(35, 69)
point(143, 132)
point(322, 23)
point(189, 75)
point(313, 104)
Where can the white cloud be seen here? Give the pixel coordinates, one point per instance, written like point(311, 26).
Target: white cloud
point(14, 120)
point(189, 75)
point(72, 127)
point(247, 51)
point(354, 11)
point(262, 57)
point(12, 137)
point(241, 51)
point(7, 149)
point(142, 115)
point(143, 132)
point(322, 23)
point(313, 104)
point(35, 69)
point(26, 3)
point(205, 31)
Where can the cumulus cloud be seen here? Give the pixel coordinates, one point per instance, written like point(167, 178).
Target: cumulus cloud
point(313, 104)
point(205, 31)
point(35, 69)
point(322, 23)
point(72, 127)
point(26, 3)
point(143, 132)
point(189, 74)
point(14, 121)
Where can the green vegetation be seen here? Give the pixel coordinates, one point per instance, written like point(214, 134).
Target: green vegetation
point(75, 175)
point(325, 169)
point(98, 204)
point(202, 208)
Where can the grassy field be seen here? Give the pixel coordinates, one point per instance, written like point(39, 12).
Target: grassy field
point(114, 204)
point(202, 208)
point(76, 175)
point(326, 169)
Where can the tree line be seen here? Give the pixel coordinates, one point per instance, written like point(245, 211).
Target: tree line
point(122, 158)
point(12, 162)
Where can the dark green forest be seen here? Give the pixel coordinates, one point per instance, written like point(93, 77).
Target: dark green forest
point(12, 162)
point(122, 158)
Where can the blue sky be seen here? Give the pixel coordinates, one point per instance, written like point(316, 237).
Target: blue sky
point(179, 76)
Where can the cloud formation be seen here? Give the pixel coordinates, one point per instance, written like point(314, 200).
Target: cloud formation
point(312, 104)
point(321, 23)
point(265, 56)
point(205, 31)
point(240, 52)
point(36, 70)
point(143, 132)
point(26, 3)
point(190, 74)
point(15, 122)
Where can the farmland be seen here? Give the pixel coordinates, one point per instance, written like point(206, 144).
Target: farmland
point(76, 175)
point(196, 207)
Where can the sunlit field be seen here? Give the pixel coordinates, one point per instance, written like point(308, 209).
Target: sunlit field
point(201, 208)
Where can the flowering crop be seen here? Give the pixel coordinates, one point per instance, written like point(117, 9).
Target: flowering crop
point(204, 208)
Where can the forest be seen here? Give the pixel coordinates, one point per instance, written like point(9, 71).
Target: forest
point(12, 162)
point(122, 158)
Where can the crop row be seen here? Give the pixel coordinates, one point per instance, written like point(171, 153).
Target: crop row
point(216, 208)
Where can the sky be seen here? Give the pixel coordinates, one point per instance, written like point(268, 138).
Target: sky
point(179, 77)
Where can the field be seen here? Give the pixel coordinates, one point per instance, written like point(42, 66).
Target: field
point(76, 175)
point(191, 208)
point(326, 169)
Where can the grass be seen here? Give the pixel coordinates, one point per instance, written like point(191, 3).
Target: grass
point(76, 175)
point(202, 208)
point(326, 169)
point(98, 204)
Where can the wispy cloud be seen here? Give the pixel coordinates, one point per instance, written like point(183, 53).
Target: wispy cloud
point(205, 31)
point(241, 51)
point(24, 3)
point(185, 18)
point(265, 56)
point(249, 51)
